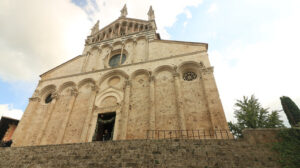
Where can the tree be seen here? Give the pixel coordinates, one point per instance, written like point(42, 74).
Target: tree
point(291, 110)
point(250, 114)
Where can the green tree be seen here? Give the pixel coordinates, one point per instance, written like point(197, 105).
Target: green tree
point(250, 114)
point(291, 110)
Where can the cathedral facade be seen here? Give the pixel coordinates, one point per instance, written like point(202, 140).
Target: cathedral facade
point(127, 83)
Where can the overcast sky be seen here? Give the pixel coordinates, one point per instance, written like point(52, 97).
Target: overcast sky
point(253, 44)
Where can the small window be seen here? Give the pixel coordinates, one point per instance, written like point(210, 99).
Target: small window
point(189, 76)
point(48, 98)
point(115, 60)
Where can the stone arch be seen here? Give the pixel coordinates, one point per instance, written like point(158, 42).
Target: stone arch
point(112, 73)
point(135, 27)
point(66, 85)
point(140, 71)
point(117, 43)
point(163, 68)
point(128, 40)
point(106, 45)
point(85, 81)
point(188, 63)
point(109, 94)
point(189, 66)
point(47, 90)
point(141, 38)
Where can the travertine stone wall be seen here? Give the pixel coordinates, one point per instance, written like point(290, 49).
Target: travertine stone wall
point(144, 154)
point(147, 92)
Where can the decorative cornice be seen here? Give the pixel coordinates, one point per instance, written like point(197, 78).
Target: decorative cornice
point(35, 99)
point(208, 70)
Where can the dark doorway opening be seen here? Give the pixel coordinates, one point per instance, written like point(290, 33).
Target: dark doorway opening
point(105, 127)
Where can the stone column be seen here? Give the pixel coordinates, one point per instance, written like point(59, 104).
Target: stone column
point(126, 28)
point(214, 104)
point(87, 123)
point(61, 133)
point(147, 49)
point(55, 98)
point(134, 50)
point(118, 125)
point(119, 31)
point(125, 109)
point(98, 60)
point(152, 103)
point(179, 101)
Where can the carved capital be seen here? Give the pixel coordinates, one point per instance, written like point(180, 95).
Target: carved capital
point(127, 83)
point(201, 65)
point(95, 88)
point(35, 99)
point(74, 92)
point(175, 74)
point(55, 95)
point(151, 79)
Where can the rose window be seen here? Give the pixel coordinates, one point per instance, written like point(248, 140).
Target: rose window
point(189, 76)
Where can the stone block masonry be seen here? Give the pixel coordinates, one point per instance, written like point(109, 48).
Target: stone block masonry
point(142, 153)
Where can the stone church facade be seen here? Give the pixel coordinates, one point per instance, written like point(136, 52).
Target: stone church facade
point(127, 81)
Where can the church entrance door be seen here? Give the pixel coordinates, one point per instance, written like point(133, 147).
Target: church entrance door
point(105, 127)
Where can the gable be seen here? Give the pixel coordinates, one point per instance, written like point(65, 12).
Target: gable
point(166, 48)
point(70, 67)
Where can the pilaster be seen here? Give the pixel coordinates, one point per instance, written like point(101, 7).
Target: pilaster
point(152, 103)
point(60, 137)
point(214, 104)
point(87, 123)
point(179, 102)
point(41, 134)
point(125, 109)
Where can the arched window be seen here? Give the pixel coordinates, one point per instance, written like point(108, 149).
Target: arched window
point(48, 99)
point(117, 60)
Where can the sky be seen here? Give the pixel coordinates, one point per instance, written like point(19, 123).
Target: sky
point(253, 44)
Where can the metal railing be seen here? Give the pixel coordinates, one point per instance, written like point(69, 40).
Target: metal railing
point(189, 134)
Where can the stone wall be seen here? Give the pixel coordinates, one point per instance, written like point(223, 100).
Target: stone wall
point(147, 92)
point(143, 153)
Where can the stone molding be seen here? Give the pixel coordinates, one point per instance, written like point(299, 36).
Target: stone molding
point(121, 66)
point(35, 99)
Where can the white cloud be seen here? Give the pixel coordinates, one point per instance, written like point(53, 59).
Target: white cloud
point(36, 36)
point(268, 68)
point(213, 8)
point(185, 23)
point(188, 14)
point(7, 110)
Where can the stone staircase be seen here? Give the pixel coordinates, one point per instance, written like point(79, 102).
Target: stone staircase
point(142, 153)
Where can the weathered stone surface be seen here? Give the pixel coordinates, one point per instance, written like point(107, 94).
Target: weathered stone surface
point(147, 91)
point(143, 153)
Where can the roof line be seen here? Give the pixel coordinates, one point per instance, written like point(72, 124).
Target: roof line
point(61, 65)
